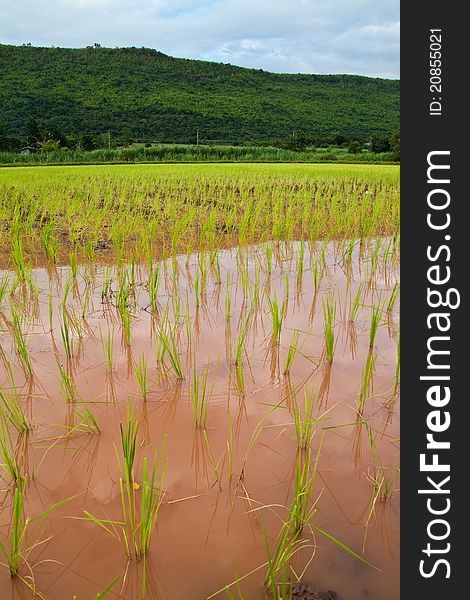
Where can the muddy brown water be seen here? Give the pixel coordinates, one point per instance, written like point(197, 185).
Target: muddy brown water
point(209, 533)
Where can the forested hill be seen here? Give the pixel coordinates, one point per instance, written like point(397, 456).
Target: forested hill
point(148, 95)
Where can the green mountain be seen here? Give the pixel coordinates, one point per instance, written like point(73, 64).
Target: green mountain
point(145, 94)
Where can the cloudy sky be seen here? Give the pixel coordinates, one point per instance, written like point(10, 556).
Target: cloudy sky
point(288, 36)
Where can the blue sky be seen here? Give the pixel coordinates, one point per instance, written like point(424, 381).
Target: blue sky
point(285, 36)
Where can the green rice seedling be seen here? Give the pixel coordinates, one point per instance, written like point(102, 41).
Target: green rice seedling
point(123, 299)
point(88, 422)
point(106, 289)
point(228, 298)
point(197, 291)
point(230, 445)
point(153, 284)
point(292, 352)
point(167, 338)
point(24, 538)
point(8, 451)
point(300, 263)
point(50, 306)
point(393, 297)
point(269, 259)
point(108, 348)
point(366, 381)
point(67, 290)
point(329, 315)
point(316, 278)
point(67, 384)
point(11, 407)
point(152, 496)
point(20, 343)
point(140, 370)
point(4, 286)
point(14, 554)
point(129, 442)
point(277, 318)
point(49, 242)
point(138, 518)
point(301, 510)
point(397, 366)
point(396, 384)
point(199, 395)
point(285, 548)
point(355, 303)
point(73, 263)
point(375, 319)
point(240, 344)
point(304, 424)
point(18, 257)
point(286, 288)
point(66, 335)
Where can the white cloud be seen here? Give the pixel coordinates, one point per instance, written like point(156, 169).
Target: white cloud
point(309, 36)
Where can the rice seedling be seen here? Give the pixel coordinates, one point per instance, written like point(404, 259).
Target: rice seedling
point(228, 298)
point(8, 451)
point(366, 381)
point(292, 352)
point(277, 318)
point(107, 346)
point(139, 516)
point(393, 297)
point(304, 424)
point(241, 340)
point(106, 289)
point(25, 532)
point(18, 257)
point(329, 315)
point(49, 242)
point(153, 284)
point(355, 303)
point(167, 336)
point(20, 343)
point(140, 371)
point(88, 422)
point(66, 335)
point(300, 263)
point(301, 510)
point(129, 442)
point(11, 407)
point(67, 384)
point(4, 286)
point(376, 316)
point(199, 395)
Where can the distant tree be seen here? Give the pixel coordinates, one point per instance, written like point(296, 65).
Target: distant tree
point(7, 143)
point(380, 143)
point(338, 139)
point(354, 147)
point(297, 142)
point(395, 144)
point(34, 133)
point(126, 136)
point(87, 142)
point(50, 146)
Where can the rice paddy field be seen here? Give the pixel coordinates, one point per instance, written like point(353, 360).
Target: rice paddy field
point(199, 382)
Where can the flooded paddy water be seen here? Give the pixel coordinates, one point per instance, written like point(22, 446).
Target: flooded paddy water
point(262, 380)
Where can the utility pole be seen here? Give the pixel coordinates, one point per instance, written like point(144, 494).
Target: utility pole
point(197, 137)
point(109, 139)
